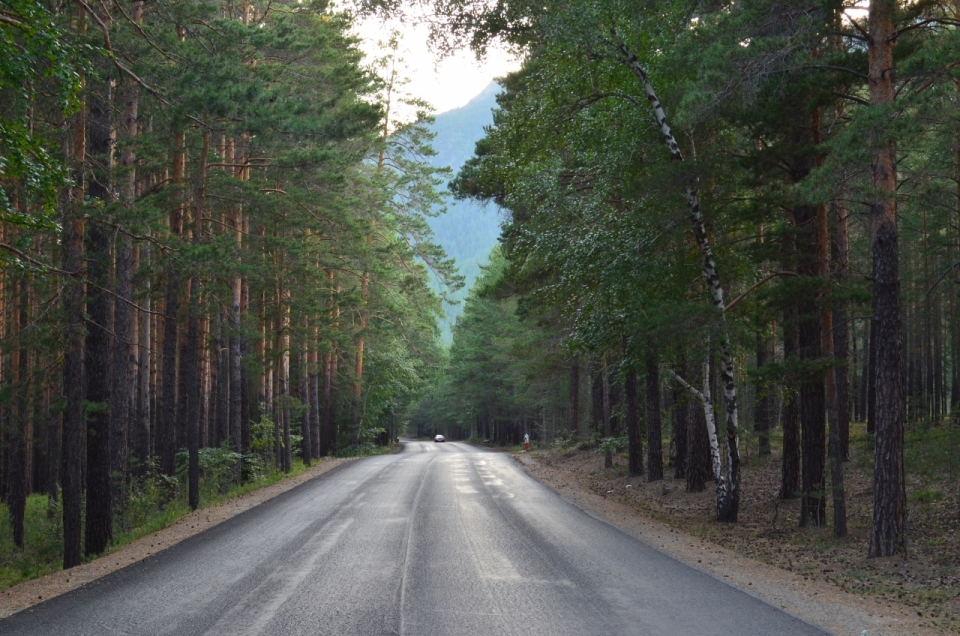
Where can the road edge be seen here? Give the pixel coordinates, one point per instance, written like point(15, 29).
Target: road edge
point(29, 593)
point(804, 599)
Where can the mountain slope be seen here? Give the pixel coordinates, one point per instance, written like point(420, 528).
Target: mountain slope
point(469, 230)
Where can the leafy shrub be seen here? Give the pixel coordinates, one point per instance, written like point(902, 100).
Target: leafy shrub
point(612, 445)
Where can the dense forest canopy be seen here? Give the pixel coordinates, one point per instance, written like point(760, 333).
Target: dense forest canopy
point(750, 206)
point(722, 219)
point(216, 254)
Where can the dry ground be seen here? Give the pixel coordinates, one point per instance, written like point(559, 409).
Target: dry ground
point(819, 578)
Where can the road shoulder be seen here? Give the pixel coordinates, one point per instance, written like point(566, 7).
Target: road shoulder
point(811, 600)
point(30, 593)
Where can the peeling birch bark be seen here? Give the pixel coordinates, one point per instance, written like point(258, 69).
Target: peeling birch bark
point(728, 500)
point(706, 399)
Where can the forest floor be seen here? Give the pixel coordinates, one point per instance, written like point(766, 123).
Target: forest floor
point(24, 595)
point(814, 576)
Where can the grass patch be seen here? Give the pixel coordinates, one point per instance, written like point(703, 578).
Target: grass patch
point(152, 505)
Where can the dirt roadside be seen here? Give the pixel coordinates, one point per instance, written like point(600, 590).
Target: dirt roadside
point(25, 595)
point(814, 601)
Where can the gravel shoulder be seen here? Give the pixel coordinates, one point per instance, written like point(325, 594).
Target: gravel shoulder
point(812, 600)
point(25, 595)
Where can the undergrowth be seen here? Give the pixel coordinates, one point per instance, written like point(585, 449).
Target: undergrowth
point(153, 503)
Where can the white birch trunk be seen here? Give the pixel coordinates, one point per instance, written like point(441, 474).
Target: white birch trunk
point(728, 502)
point(710, 415)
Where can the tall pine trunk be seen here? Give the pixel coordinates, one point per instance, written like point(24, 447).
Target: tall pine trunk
point(313, 389)
point(142, 447)
point(99, 519)
point(16, 449)
point(73, 372)
point(191, 363)
point(654, 431)
point(806, 218)
point(761, 404)
point(634, 441)
point(887, 535)
point(167, 422)
point(306, 449)
point(573, 399)
point(698, 445)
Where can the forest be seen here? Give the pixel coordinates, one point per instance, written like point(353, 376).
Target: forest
point(216, 262)
point(731, 231)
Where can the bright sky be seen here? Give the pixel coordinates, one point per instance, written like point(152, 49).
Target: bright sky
point(446, 85)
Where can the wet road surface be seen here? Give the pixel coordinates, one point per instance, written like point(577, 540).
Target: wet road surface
point(438, 539)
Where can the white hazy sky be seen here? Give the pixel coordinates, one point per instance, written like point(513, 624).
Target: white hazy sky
point(447, 84)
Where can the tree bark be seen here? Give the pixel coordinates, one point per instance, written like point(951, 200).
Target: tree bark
point(605, 401)
point(705, 396)
point(73, 372)
point(285, 377)
point(235, 361)
point(99, 518)
point(841, 334)
point(355, 420)
point(142, 448)
point(634, 441)
point(126, 351)
point(654, 430)
point(247, 390)
point(870, 377)
point(812, 404)
point(596, 394)
point(53, 446)
point(698, 446)
point(573, 399)
point(313, 389)
point(167, 424)
point(306, 448)
point(728, 486)
point(762, 400)
point(887, 536)
point(16, 450)
point(679, 425)
point(193, 342)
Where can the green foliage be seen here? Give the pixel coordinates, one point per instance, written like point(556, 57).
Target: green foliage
point(612, 445)
point(37, 58)
point(43, 542)
point(217, 469)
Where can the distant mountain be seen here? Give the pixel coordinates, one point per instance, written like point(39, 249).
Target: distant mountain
point(469, 230)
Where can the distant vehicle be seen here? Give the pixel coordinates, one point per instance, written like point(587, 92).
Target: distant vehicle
point(439, 438)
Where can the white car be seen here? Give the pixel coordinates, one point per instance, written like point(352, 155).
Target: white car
point(439, 438)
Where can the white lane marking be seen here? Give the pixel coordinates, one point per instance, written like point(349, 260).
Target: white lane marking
point(278, 587)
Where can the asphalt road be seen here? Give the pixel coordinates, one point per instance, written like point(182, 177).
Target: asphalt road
point(438, 539)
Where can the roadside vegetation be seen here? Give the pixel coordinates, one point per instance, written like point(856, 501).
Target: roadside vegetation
point(926, 578)
point(215, 263)
point(730, 241)
point(153, 504)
